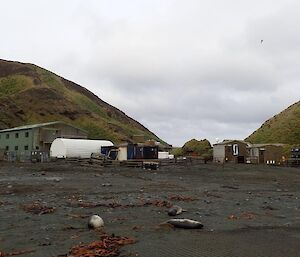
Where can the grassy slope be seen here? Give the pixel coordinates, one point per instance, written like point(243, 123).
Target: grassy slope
point(194, 147)
point(282, 128)
point(30, 94)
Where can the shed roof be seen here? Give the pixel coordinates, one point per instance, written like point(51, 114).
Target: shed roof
point(227, 141)
point(262, 145)
point(32, 126)
point(249, 145)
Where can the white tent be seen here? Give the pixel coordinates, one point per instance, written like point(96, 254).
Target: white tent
point(76, 148)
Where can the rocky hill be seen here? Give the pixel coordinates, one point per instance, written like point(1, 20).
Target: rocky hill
point(282, 128)
point(30, 94)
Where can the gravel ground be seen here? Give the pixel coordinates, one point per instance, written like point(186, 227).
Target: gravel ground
point(246, 210)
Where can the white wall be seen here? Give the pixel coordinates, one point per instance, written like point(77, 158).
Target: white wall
point(163, 155)
point(219, 153)
point(122, 155)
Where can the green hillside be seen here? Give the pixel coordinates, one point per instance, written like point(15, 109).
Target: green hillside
point(30, 94)
point(195, 147)
point(282, 128)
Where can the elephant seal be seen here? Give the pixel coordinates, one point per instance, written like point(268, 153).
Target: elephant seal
point(185, 223)
point(95, 221)
point(175, 210)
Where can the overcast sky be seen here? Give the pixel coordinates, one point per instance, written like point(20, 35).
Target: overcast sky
point(185, 69)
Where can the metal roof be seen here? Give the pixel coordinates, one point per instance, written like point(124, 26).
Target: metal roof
point(227, 141)
point(32, 126)
point(249, 145)
point(262, 145)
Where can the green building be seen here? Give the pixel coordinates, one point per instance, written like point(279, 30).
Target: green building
point(21, 141)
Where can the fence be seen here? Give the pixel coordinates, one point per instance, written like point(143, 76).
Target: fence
point(26, 156)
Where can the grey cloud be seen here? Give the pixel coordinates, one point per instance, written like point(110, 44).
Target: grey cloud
point(185, 69)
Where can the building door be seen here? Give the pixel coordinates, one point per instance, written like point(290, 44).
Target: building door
point(241, 159)
point(261, 156)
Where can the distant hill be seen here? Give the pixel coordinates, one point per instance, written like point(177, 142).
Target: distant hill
point(195, 147)
point(30, 94)
point(282, 128)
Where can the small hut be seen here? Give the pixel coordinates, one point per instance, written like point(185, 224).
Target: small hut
point(234, 151)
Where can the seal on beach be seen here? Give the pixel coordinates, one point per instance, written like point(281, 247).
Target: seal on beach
point(175, 210)
point(185, 223)
point(95, 221)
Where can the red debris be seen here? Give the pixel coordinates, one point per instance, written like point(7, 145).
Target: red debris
point(232, 217)
point(244, 216)
point(3, 203)
point(248, 215)
point(209, 194)
point(157, 203)
point(182, 198)
point(108, 246)
point(94, 205)
point(37, 208)
point(2, 254)
point(161, 203)
point(137, 228)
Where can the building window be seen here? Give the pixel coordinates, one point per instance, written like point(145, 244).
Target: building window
point(37, 148)
point(16, 148)
point(7, 136)
point(26, 134)
point(7, 148)
point(235, 149)
point(26, 147)
point(17, 135)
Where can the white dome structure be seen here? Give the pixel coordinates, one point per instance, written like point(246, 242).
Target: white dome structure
point(76, 148)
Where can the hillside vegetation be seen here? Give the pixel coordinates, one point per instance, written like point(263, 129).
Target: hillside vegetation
point(30, 94)
point(195, 147)
point(282, 128)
